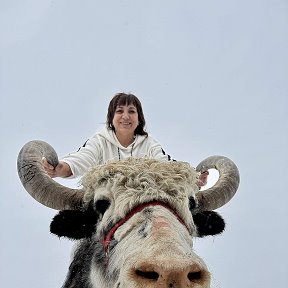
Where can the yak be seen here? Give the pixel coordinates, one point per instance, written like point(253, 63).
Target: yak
point(133, 220)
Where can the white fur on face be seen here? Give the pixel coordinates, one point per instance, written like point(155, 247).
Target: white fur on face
point(154, 238)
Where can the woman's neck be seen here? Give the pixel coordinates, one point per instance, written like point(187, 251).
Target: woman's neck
point(125, 140)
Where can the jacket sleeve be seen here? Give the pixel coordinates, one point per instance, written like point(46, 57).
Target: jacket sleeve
point(87, 156)
point(156, 151)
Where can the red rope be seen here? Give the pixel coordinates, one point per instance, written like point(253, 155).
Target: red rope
point(105, 242)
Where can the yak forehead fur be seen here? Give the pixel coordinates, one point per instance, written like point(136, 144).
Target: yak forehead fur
point(130, 182)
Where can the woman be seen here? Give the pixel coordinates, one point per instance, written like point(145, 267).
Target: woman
point(124, 136)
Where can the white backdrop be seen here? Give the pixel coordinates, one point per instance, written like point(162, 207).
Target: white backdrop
point(212, 78)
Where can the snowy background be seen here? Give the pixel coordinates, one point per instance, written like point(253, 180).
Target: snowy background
point(212, 78)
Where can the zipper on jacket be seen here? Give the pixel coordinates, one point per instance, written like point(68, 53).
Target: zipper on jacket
point(118, 149)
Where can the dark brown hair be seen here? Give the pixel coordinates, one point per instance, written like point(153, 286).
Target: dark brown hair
point(126, 99)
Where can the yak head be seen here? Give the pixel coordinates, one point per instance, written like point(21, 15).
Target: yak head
point(135, 219)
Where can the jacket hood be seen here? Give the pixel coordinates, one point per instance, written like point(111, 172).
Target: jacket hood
point(110, 136)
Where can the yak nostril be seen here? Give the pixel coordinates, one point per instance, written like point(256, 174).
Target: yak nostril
point(147, 274)
point(194, 275)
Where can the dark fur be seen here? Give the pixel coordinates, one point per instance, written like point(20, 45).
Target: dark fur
point(90, 253)
point(208, 223)
point(74, 224)
point(80, 267)
point(77, 224)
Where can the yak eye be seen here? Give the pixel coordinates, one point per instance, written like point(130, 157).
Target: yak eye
point(102, 205)
point(192, 203)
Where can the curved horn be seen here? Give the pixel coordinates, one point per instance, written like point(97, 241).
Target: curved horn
point(39, 184)
point(226, 186)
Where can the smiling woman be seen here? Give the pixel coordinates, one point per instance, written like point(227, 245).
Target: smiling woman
point(124, 136)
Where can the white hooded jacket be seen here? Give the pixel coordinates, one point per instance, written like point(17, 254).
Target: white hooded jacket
point(104, 146)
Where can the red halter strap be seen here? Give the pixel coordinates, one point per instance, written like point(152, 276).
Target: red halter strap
point(105, 242)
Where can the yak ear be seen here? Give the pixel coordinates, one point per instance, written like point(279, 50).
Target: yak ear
point(208, 223)
point(74, 224)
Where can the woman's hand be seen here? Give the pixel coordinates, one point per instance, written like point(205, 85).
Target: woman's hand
point(202, 181)
point(61, 170)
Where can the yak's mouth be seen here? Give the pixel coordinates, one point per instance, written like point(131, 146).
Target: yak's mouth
point(107, 238)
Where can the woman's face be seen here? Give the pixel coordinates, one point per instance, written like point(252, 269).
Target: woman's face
point(125, 119)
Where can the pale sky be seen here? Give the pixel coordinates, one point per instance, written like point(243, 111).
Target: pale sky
point(212, 78)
